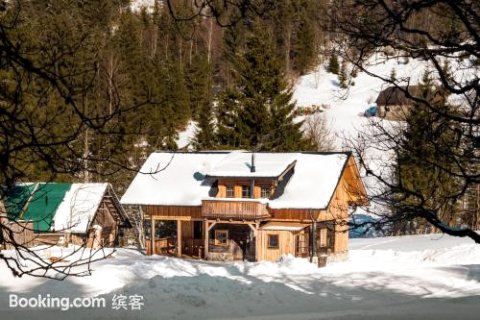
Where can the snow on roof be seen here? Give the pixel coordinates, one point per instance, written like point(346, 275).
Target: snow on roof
point(169, 178)
point(79, 206)
point(238, 164)
point(313, 183)
point(182, 179)
point(285, 226)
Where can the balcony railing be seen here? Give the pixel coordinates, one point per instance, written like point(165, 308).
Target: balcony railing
point(243, 209)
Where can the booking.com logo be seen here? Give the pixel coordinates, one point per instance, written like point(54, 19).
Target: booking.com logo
point(49, 302)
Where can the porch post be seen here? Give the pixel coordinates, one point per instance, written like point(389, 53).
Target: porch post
point(206, 231)
point(314, 257)
point(255, 234)
point(152, 235)
point(179, 238)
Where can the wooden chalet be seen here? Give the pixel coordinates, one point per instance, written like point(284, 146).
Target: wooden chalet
point(61, 213)
point(242, 205)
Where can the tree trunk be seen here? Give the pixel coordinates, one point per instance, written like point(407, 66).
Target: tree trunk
point(288, 44)
point(210, 32)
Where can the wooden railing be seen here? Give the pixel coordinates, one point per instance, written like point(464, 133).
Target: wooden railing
point(163, 246)
point(234, 209)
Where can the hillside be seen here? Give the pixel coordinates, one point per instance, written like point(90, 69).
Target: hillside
point(343, 109)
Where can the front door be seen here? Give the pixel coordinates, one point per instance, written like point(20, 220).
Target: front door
point(301, 245)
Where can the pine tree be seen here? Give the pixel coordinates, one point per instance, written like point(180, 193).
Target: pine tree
point(342, 75)
point(393, 75)
point(333, 65)
point(200, 86)
point(257, 113)
point(423, 164)
point(305, 53)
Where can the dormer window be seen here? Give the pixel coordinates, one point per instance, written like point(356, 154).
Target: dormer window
point(230, 192)
point(246, 192)
point(265, 192)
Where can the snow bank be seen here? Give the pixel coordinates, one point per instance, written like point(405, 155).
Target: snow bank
point(383, 276)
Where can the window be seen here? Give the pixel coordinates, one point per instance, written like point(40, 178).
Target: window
point(230, 192)
point(265, 192)
point(221, 237)
point(245, 191)
point(273, 241)
point(197, 229)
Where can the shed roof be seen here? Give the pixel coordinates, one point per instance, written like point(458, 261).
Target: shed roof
point(395, 96)
point(36, 202)
point(79, 206)
point(55, 206)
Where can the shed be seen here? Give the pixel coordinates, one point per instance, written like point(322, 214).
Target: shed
point(77, 212)
point(393, 104)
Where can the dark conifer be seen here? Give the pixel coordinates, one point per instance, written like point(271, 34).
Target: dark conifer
point(257, 112)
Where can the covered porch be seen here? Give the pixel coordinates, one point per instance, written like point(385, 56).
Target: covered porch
point(202, 239)
point(230, 240)
point(174, 237)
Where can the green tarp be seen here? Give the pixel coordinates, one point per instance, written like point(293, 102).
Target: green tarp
point(36, 202)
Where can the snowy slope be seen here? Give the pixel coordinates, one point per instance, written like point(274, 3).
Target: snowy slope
point(185, 137)
point(343, 108)
point(412, 277)
point(138, 5)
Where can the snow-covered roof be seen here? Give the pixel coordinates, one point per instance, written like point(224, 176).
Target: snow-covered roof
point(79, 206)
point(238, 164)
point(176, 179)
point(185, 179)
point(313, 183)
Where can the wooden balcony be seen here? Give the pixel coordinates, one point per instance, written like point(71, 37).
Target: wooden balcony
point(237, 209)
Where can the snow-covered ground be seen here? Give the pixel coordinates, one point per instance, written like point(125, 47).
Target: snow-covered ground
point(138, 5)
point(186, 136)
point(410, 277)
point(344, 108)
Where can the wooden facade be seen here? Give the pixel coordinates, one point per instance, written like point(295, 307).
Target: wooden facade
point(232, 226)
point(16, 233)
